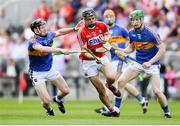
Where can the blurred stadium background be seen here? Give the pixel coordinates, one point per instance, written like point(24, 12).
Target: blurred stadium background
point(163, 16)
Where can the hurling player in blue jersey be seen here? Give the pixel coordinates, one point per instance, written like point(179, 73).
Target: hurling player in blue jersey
point(41, 67)
point(149, 50)
point(119, 36)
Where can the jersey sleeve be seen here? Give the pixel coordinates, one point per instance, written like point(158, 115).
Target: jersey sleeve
point(130, 38)
point(156, 38)
point(105, 28)
point(30, 47)
point(31, 43)
point(51, 37)
point(52, 34)
point(125, 33)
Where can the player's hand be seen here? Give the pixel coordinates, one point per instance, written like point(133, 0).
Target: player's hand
point(146, 65)
point(79, 25)
point(98, 60)
point(103, 39)
point(120, 53)
point(66, 52)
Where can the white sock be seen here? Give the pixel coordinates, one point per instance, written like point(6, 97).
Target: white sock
point(142, 101)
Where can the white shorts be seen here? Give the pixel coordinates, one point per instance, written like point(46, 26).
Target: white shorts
point(153, 69)
point(118, 66)
point(91, 68)
point(42, 77)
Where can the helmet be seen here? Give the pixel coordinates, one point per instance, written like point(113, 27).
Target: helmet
point(88, 12)
point(37, 23)
point(136, 14)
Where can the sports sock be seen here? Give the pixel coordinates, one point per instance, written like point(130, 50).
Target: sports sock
point(59, 98)
point(140, 98)
point(49, 109)
point(118, 102)
point(165, 109)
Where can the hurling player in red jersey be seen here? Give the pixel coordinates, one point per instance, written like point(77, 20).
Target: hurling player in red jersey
point(92, 35)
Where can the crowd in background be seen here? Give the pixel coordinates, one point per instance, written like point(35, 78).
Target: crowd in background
point(163, 16)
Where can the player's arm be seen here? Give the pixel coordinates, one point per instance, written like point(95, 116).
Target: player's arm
point(106, 35)
point(64, 31)
point(108, 47)
point(83, 43)
point(84, 49)
point(161, 50)
point(159, 54)
point(104, 38)
point(129, 49)
point(46, 49)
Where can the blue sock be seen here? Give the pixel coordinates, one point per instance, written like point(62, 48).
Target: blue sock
point(165, 109)
point(59, 97)
point(49, 109)
point(118, 102)
point(139, 97)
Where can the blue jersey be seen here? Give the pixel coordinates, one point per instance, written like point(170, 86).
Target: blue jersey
point(145, 42)
point(119, 36)
point(40, 61)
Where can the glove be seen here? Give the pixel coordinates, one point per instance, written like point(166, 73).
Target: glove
point(112, 51)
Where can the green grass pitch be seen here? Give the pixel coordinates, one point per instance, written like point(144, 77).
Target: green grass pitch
point(82, 113)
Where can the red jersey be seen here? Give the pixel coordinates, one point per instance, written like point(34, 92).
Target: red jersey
point(90, 37)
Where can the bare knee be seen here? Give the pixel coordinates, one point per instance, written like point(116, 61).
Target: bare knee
point(121, 81)
point(157, 92)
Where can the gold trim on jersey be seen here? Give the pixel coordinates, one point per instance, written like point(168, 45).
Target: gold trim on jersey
point(37, 53)
point(143, 45)
point(117, 39)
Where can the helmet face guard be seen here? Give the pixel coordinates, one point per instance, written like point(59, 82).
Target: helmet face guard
point(37, 23)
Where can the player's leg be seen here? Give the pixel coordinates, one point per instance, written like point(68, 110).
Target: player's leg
point(119, 68)
point(91, 71)
point(38, 81)
point(63, 88)
point(44, 96)
point(109, 93)
point(125, 77)
point(130, 88)
point(134, 92)
point(155, 79)
point(110, 78)
point(100, 87)
point(56, 79)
